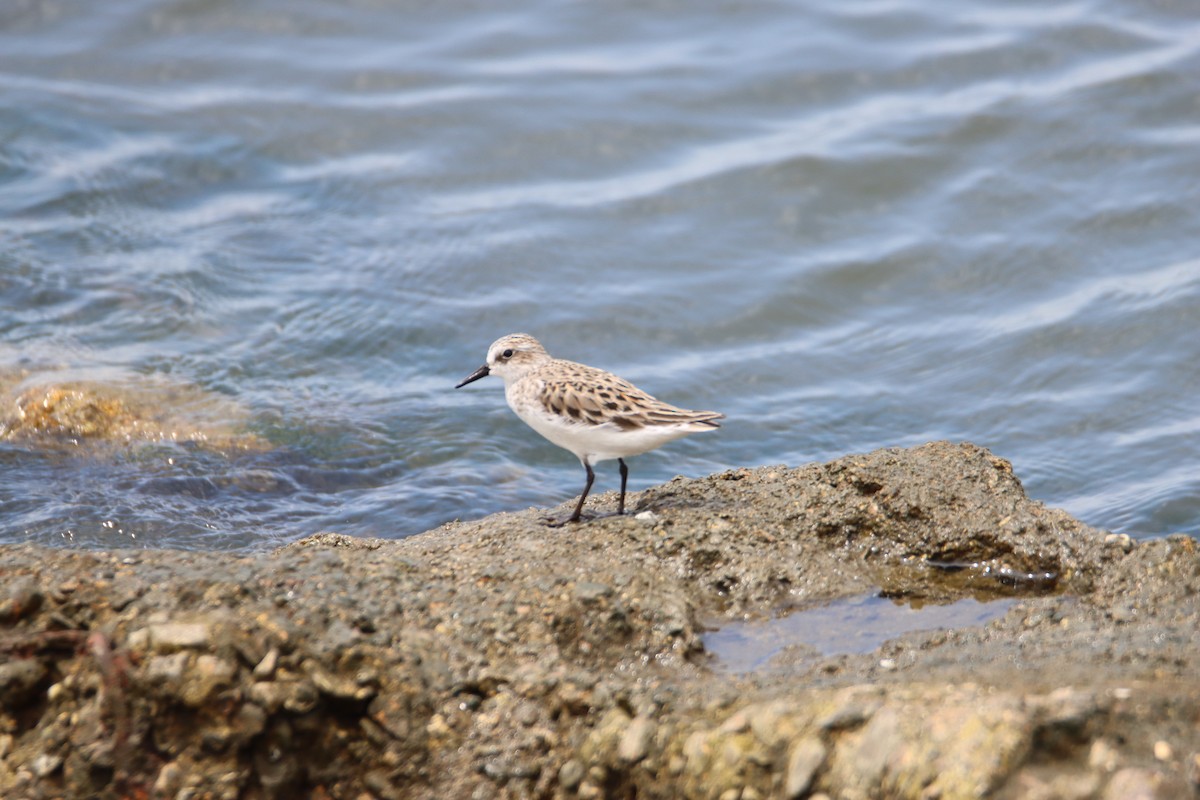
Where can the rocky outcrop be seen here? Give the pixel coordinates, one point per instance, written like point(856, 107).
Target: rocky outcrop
point(504, 658)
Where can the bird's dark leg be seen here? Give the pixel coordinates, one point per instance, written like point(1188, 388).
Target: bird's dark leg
point(624, 478)
point(591, 476)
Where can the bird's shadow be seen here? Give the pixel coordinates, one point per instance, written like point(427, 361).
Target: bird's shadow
point(551, 522)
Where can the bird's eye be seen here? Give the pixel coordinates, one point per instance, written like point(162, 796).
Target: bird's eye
point(507, 354)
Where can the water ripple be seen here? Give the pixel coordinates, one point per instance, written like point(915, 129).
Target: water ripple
point(845, 226)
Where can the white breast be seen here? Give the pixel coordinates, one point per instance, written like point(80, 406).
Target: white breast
point(593, 443)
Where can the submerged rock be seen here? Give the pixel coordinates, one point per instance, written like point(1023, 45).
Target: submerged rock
point(502, 658)
point(53, 410)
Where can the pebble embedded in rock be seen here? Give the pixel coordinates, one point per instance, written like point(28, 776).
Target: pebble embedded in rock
point(46, 764)
point(635, 742)
point(335, 685)
point(299, 697)
point(805, 758)
point(168, 636)
point(1103, 756)
point(167, 669)
point(1137, 783)
point(267, 694)
point(169, 779)
point(265, 670)
point(570, 774)
point(590, 592)
point(209, 675)
point(1122, 541)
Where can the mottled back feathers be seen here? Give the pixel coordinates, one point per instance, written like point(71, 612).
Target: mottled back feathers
point(579, 393)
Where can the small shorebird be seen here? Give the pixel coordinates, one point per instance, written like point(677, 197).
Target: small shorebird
point(592, 413)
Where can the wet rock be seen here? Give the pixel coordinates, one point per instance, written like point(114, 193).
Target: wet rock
point(500, 658)
point(74, 412)
point(51, 412)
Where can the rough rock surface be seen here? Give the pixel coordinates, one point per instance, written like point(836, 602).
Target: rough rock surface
point(503, 658)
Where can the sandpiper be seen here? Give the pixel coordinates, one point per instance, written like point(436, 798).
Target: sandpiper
point(594, 414)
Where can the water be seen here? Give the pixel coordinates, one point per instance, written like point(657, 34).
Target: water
point(851, 625)
point(846, 225)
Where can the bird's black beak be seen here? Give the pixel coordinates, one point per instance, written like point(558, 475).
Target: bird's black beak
point(482, 372)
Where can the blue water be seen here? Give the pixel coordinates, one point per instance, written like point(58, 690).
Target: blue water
point(845, 225)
